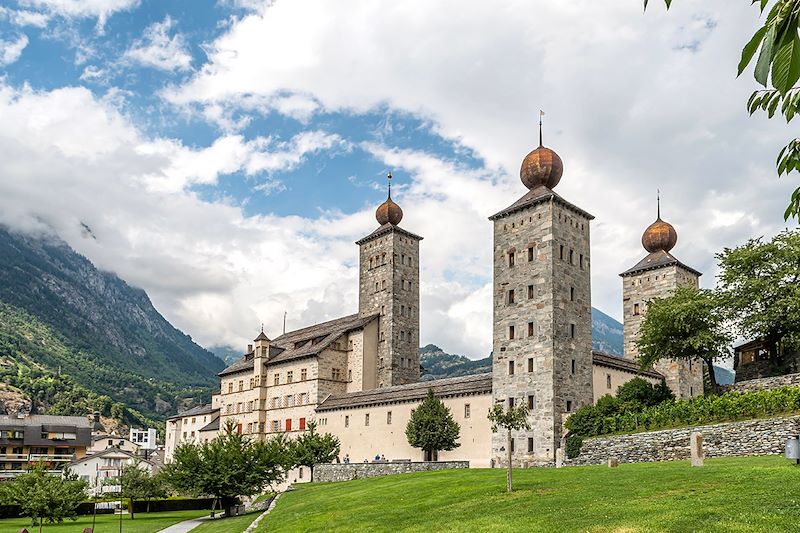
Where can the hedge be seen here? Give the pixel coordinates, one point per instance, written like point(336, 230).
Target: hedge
point(731, 406)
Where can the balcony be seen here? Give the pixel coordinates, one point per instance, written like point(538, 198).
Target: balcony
point(35, 457)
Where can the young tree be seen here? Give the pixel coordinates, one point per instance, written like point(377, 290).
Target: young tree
point(311, 448)
point(512, 419)
point(778, 70)
point(45, 497)
point(137, 483)
point(641, 392)
point(230, 466)
point(432, 427)
point(760, 287)
point(688, 324)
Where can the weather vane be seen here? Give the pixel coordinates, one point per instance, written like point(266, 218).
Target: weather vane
point(389, 179)
point(541, 114)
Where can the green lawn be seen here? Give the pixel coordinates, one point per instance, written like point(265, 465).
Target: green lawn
point(730, 495)
point(142, 523)
point(235, 524)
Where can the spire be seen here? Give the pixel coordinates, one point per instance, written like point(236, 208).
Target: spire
point(541, 114)
point(658, 203)
point(388, 211)
point(389, 179)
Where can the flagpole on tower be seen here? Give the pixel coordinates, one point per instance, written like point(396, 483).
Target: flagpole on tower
point(541, 114)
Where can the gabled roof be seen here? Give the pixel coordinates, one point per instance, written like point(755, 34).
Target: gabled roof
point(305, 342)
point(387, 228)
point(537, 196)
point(108, 451)
point(473, 384)
point(261, 337)
point(620, 363)
point(655, 260)
point(48, 420)
point(204, 409)
point(211, 426)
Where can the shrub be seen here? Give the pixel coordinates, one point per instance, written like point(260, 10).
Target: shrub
point(642, 392)
point(574, 443)
point(589, 421)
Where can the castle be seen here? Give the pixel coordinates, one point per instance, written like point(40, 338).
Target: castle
point(358, 376)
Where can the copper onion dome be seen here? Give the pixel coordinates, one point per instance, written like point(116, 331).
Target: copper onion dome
point(388, 211)
point(542, 166)
point(659, 235)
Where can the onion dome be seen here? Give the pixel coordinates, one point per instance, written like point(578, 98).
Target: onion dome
point(659, 235)
point(389, 212)
point(542, 166)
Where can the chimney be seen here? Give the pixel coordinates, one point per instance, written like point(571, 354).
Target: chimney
point(249, 348)
point(96, 416)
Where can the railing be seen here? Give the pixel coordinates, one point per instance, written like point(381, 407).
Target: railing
point(13, 473)
point(34, 457)
point(16, 457)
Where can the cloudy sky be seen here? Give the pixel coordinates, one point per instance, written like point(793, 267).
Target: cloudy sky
point(226, 154)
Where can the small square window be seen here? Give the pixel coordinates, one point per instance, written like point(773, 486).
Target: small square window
point(569, 406)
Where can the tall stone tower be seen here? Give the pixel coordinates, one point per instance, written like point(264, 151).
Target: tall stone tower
point(542, 341)
point(389, 286)
point(657, 276)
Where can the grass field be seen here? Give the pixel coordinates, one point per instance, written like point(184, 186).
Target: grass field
point(236, 524)
point(730, 495)
point(142, 523)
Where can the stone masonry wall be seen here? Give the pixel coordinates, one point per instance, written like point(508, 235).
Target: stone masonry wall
point(345, 472)
point(750, 437)
point(765, 383)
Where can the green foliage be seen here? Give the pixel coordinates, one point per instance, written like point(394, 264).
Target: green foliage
point(727, 407)
point(511, 419)
point(138, 483)
point(311, 448)
point(778, 64)
point(230, 466)
point(45, 497)
point(432, 427)
point(641, 392)
point(687, 325)
point(760, 288)
point(574, 444)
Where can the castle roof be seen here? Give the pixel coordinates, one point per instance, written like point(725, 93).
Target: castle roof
point(386, 229)
point(211, 426)
point(194, 411)
point(655, 260)
point(473, 384)
point(620, 363)
point(304, 342)
point(536, 196)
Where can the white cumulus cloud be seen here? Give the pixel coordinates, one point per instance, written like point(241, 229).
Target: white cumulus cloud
point(158, 49)
point(10, 51)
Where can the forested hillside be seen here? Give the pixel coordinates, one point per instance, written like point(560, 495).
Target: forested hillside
point(67, 328)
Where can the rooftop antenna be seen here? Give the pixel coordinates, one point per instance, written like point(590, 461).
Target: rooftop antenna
point(389, 179)
point(541, 114)
point(284, 322)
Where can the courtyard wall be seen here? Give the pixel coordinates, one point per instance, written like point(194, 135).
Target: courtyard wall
point(346, 472)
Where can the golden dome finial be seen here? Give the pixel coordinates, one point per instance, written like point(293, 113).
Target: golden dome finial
point(542, 166)
point(659, 235)
point(388, 211)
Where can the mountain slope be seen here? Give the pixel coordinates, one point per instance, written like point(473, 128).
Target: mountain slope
point(606, 333)
point(104, 334)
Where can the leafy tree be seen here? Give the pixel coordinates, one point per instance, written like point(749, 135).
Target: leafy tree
point(778, 70)
point(311, 448)
point(230, 466)
point(137, 483)
point(760, 286)
point(432, 427)
point(643, 393)
point(687, 325)
point(45, 497)
point(512, 419)
point(118, 411)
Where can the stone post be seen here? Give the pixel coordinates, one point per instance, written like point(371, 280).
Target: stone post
point(613, 462)
point(696, 447)
point(559, 457)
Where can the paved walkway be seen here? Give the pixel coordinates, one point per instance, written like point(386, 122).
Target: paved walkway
point(186, 525)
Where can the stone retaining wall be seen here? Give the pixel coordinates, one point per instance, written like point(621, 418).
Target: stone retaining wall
point(346, 472)
point(750, 437)
point(765, 383)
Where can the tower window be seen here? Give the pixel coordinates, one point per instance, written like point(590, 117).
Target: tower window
point(511, 296)
point(511, 403)
point(366, 419)
point(572, 331)
point(530, 292)
point(511, 259)
point(510, 332)
point(466, 410)
point(569, 406)
point(530, 444)
point(511, 368)
point(346, 421)
point(561, 252)
point(530, 364)
point(571, 254)
point(635, 309)
point(608, 381)
point(531, 402)
point(573, 366)
point(389, 417)
point(530, 253)
point(581, 260)
point(530, 329)
point(572, 294)
point(370, 262)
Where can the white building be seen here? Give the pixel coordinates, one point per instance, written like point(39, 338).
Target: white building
point(144, 438)
point(101, 469)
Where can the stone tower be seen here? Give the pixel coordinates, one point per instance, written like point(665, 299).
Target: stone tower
point(542, 340)
point(657, 276)
point(389, 286)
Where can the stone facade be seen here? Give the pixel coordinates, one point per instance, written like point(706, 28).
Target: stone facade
point(684, 378)
point(542, 339)
point(750, 437)
point(347, 472)
point(389, 286)
point(788, 380)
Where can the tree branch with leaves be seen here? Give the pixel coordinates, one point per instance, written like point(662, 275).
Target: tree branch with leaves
point(514, 418)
